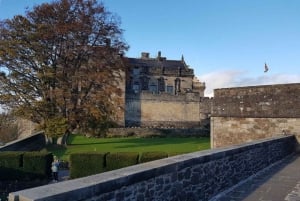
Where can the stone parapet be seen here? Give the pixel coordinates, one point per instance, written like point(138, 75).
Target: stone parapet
point(195, 176)
point(272, 101)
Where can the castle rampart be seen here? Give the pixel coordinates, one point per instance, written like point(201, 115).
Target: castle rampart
point(166, 110)
point(244, 114)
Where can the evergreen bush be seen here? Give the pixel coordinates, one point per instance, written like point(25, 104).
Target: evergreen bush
point(37, 164)
point(121, 159)
point(10, 165)
point(151, 156)
point(85, 164)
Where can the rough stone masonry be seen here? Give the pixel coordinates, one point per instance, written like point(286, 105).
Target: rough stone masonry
point(244, 114)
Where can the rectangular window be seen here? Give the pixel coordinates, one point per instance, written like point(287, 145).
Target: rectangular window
point(136, 87)
point(153, 88)
point(136, 71)
point(170, 89)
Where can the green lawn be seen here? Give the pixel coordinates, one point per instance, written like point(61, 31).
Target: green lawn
point(78, 143)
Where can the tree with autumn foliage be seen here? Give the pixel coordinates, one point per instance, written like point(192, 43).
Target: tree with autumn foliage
point(60, 65)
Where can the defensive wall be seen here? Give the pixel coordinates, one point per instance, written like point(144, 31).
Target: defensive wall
point(195, 176)
point(244, 114)
point(166, 110)
point(33, 142)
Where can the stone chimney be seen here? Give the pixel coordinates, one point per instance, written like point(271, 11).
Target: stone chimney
point(159, 57)
point(145, 55)
point(159, 54)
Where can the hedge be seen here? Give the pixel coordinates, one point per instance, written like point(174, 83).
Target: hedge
point(25, 165)
point(151, 156)
point(89, 163)
point(37, 164)
point(10, 165)
point(121, 159)
point(85, 164)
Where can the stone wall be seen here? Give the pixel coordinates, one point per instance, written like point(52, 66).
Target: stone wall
point(227, 131)
point(195, 176)
point(34, 142)
point(244, 114)
point(166, 110)
point(161, 132)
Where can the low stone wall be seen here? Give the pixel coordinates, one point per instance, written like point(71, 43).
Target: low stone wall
point(163, 132)
point(34, 142)
point(195, 176)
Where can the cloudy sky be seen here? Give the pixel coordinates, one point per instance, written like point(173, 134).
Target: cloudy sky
point(226, 42)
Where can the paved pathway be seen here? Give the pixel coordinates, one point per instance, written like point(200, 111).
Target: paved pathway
point(281, 182)
point(63, 175)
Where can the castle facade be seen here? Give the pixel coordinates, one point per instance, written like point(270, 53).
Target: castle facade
point(163, 93)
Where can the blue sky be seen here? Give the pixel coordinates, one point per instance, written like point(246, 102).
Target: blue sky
point(227, 42)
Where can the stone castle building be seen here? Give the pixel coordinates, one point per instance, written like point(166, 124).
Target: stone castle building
point(163, 93)
point(157, 92)
point(159, 75)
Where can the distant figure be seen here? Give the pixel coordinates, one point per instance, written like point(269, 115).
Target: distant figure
point(266, 68)
point(54, 168)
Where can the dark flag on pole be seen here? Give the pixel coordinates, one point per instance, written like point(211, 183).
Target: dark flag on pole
point(266, 68)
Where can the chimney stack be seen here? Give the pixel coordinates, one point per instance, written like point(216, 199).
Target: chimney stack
point(159, 55)
point(145, 55)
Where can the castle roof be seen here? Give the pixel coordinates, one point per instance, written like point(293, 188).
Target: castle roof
point(161, 64)
point(156, 63)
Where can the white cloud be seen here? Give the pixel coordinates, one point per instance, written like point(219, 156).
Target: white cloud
point(234, 78)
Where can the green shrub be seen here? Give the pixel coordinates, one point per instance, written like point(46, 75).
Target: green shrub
point(11, 159)
point(121, 159)
point(37, 164)
point(151, 156)
point(85, 164)
point(10, 165)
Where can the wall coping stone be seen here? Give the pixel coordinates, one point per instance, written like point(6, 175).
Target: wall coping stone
point(87, 187)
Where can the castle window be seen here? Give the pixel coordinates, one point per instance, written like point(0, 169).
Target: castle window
point(170, 89)
point(153, 88)
point(144, 83)
point(136, 87)
point(136, 71)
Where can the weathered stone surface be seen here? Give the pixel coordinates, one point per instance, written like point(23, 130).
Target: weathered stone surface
point(266, 101)
point(244, 114)
point(166, 110)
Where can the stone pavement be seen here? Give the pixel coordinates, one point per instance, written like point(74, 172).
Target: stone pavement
point(281, 182)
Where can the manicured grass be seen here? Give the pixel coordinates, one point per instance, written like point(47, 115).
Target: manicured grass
point(171, 145)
